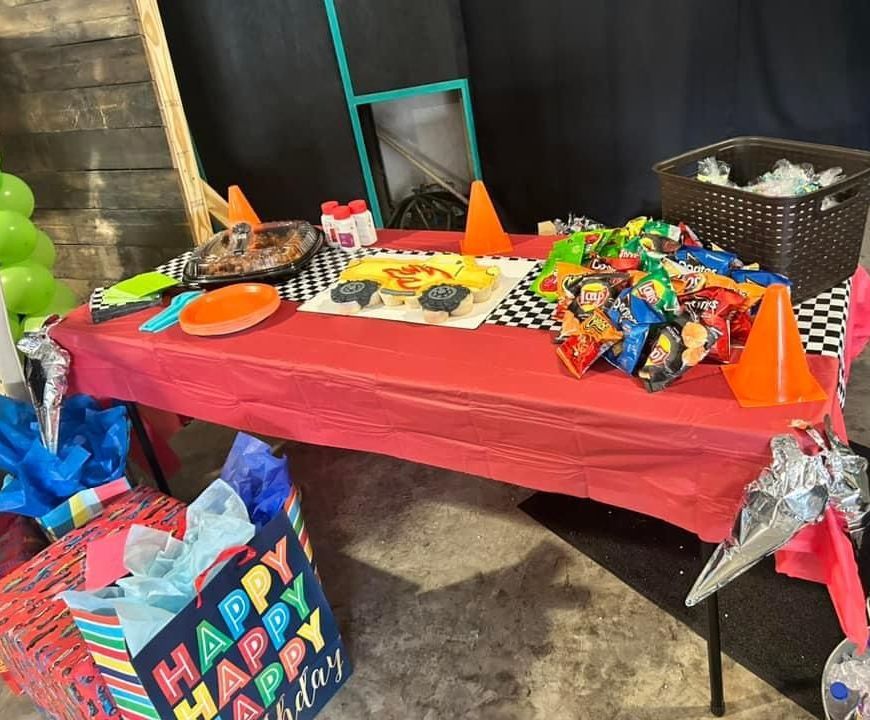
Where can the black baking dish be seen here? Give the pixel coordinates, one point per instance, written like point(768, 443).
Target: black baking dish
point(272, 251)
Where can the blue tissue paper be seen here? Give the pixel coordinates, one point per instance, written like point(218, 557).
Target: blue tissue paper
point(261, 479)
point(92, 451)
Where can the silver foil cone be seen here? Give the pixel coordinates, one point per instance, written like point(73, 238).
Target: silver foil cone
point(47, 372)
point(786, 497)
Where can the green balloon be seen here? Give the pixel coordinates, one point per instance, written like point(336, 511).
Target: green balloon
point(15, 195)
point(43, 252)
point(62, 301)
point(17, 237)
point(15, 326)
point(27, 286)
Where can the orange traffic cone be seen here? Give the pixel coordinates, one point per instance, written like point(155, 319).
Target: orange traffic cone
point(773, 369)
point(240, 209)
point(484, 234)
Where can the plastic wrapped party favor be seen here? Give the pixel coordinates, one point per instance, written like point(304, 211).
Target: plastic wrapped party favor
point(575, 223)
point(164, 569)
point(635, 318)
point(714, 171)
point(787, 496)
point(46, 369)
point(92, 451)
point(261, 479)
point(788, 179)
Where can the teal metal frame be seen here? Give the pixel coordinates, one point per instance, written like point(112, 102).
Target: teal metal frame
point(355, 101)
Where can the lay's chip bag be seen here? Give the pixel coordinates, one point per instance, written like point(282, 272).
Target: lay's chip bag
point(655, 288)
point(635, 318)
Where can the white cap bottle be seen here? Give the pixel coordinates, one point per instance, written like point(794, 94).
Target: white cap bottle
point(365, 224)
point(328, 223)
point(345, 229)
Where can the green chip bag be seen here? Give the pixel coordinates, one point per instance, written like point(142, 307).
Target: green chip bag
point(570, 249)
point(656, 289)
point(660, 227)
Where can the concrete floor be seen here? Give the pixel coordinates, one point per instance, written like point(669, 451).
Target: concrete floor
point(454, 604)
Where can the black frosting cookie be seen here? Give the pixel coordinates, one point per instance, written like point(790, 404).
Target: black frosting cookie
point(359, 291)
point(444, 298)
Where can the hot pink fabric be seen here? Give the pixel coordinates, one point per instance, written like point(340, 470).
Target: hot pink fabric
point(858, 327)
point(823, 553)
point(493, 402)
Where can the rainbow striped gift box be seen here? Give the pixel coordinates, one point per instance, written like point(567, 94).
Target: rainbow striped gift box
point(82, 507)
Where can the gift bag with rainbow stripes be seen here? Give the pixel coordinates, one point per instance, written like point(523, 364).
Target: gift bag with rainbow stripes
point(259, 641)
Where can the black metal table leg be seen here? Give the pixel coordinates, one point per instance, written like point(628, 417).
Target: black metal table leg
point(714, 646)
point(147, 448)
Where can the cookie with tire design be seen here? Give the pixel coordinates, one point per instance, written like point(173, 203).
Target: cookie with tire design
point(440, 302)
point(355, 295)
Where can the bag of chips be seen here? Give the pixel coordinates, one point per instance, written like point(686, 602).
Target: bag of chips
point(739, 327)
point(762, 278)
point(662, 229)
point(714, 307)
point(677, 348)
point(585, 341)
point(570, 249)
point(635, 318)
point(581, 290)
point(655, 288)
point(697, 259)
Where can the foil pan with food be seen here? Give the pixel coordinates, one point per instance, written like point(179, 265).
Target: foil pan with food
point(269, 251)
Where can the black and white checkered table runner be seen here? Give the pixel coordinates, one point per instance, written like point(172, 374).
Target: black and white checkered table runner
point(821, 320)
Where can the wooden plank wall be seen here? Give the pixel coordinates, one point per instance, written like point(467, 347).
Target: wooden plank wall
point(80, 121)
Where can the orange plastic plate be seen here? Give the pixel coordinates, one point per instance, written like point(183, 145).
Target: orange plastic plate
point(230, 309)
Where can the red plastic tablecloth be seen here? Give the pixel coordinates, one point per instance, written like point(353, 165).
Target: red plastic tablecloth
point(493, 402)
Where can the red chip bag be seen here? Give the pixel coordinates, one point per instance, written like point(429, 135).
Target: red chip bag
point(713, 307)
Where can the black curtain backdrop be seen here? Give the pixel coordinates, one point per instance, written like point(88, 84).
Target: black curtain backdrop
point(263, 97)
point(575, 100)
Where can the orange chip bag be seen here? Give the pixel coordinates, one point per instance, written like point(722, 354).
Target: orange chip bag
point(690, 283)
point(752, 292)
point(588, 342)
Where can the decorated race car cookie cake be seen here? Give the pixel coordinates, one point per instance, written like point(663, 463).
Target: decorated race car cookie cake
point(442, 286)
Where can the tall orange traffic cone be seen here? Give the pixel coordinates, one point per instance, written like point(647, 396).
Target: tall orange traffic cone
point(240, 209)
point(484, 234)
point(773, 369)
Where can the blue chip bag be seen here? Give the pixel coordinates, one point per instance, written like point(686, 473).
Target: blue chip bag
point(760, 277)
point(635, 318)
point(696, 259)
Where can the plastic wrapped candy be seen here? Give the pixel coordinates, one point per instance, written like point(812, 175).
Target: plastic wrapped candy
point(785, 179)
point(716, 172)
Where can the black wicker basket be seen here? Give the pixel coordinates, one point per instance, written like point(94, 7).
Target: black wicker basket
point(816, 248)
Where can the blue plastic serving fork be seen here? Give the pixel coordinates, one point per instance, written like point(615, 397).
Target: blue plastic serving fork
point(168, 317)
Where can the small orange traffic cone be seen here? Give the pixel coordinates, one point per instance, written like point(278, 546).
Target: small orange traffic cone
point(240, 209)
point(773, 368)
point(484, 234)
